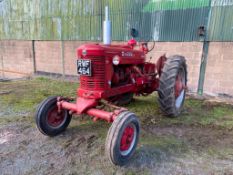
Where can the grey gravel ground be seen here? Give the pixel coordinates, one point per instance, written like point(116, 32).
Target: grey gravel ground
point(200, 142)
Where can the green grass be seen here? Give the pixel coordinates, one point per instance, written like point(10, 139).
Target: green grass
point(196, 112)
point(24, 96)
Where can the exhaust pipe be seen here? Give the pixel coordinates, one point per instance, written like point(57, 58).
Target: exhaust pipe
point(107, 33)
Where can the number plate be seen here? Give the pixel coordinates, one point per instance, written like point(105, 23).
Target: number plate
point(84, 67)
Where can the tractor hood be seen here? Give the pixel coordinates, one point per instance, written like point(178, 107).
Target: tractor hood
point(105, 50)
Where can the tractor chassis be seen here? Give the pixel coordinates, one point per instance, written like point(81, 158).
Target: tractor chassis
point(89, 108)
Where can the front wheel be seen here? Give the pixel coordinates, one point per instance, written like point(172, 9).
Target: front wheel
point(172, 86)
point(49, 121)
point(122, 138)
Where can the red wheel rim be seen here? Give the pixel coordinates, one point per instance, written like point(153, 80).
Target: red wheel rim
point(54, 118)
point(180, 83)
point(180, 86)
point(127, 138)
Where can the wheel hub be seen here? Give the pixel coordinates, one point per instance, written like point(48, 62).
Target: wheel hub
point(55, 118)
point(179, 86)
point(127, 138)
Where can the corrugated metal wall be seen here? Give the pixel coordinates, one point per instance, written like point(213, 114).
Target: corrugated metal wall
point(50, 19)
point(221, 20)
point(176, 20)
point(160, 20)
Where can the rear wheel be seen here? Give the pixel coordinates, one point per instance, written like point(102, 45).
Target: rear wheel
point(122, 138)
point(172, 86)
point(49, 121)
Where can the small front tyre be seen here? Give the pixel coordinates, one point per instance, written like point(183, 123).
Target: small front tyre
point(49, 121)
point(122, 138)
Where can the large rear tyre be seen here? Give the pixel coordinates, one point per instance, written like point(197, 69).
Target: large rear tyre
point(49, 121)
point(172, 86)
point(122, 138)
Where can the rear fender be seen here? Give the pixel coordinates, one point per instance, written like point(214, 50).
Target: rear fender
point(160, 64)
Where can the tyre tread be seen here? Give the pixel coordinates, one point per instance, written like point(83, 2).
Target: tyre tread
point(167, 82)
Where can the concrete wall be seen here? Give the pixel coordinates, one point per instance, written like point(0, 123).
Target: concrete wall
point(219, 72)
point(48, 57)
point(192, 51)
point(17, 57)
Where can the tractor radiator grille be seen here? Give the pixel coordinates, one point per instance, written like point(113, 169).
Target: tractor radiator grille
point(97, 80)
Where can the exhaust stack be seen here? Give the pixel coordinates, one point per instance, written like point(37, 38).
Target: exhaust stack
point(107, 33)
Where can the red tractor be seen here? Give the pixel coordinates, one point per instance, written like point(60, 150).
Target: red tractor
point(112, 75)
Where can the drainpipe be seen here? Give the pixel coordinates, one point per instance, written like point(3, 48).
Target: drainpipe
point(63, 59)
point(62, 51)
point(34, 56)
point(204, 57)
point(203, 33)
point(2, 64)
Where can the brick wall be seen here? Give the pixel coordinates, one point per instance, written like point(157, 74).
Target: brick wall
point(71, 57)
point(17, 56)
point(219, 72)
point(48, 56)
point(16, 59)
point(192, 51)
point(50, 59)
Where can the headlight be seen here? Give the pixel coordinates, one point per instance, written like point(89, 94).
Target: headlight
point(116, 60)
